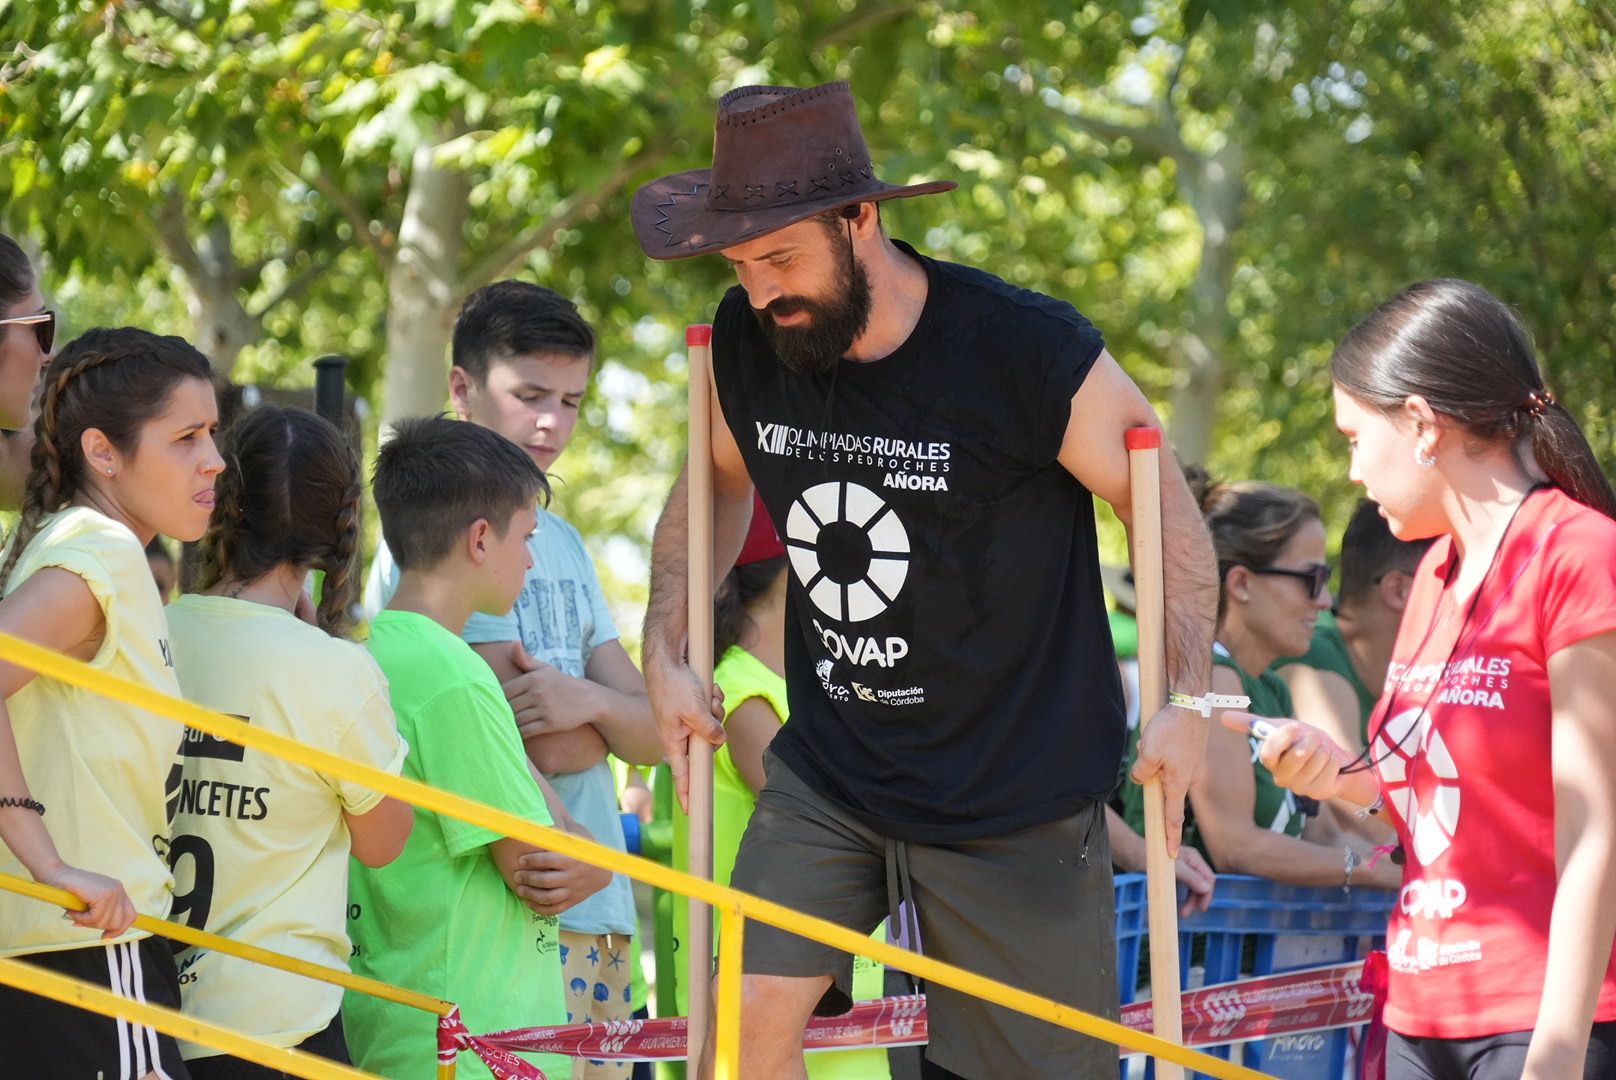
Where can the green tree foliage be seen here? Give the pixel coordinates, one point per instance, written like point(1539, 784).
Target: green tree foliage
point(1223, 187)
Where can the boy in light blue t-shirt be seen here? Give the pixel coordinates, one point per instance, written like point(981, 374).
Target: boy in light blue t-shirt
point(522, 359)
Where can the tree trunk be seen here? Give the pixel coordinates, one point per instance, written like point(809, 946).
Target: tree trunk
point(422, 290)
point(1216, 190)
point(221, 326)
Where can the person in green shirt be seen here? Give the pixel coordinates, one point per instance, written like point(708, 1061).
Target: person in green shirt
point(1274, 582)
point(463, 914)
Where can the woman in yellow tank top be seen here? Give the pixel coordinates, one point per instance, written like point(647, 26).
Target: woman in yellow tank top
point(123, 451)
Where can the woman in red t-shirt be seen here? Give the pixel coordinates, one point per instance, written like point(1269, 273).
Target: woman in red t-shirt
point(1493, 747)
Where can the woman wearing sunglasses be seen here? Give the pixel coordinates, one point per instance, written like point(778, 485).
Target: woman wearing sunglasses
point(1493, 747)
point(1270, 547)
point(27, 332)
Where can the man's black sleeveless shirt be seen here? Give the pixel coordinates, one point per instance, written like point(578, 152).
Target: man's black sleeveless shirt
point(948, 659)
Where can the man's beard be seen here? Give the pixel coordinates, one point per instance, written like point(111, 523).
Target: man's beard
point(817, 346)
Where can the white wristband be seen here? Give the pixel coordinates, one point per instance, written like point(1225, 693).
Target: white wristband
point(1204, 705)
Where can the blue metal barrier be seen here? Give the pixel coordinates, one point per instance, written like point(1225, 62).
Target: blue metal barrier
point(1258, 927)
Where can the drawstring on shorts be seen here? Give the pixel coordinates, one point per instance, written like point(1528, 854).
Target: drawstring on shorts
point(900, 891)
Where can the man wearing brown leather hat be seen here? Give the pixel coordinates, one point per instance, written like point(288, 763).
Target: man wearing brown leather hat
point(930, 439)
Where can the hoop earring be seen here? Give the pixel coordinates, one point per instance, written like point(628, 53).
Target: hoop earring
point(1424, 460)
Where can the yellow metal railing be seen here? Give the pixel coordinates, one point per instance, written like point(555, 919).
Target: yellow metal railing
point(86, 992)
point(202, 939)
point(734, 907)
point(71, 991)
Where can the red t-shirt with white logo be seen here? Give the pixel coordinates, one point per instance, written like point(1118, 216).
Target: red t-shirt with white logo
point(1464, 764)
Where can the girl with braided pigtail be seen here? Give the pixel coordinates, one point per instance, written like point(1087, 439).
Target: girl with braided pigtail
point(262, 845)
point(123, 450)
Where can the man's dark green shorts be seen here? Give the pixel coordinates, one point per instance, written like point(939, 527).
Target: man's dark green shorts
point(1033, 908)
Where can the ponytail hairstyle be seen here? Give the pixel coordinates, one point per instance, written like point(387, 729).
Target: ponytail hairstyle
point(1467, 353)
point(16, 275)
point(112, 380)
point(290, 496)
point(732, 603)
point(1250, 522)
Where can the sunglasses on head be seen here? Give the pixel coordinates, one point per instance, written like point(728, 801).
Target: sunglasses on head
point(1317, 576)
point(44, 324)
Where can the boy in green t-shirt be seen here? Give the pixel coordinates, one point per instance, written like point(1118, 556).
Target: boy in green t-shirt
point(463, 913)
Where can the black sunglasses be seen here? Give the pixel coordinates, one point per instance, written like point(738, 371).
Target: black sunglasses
point(44, 324)
point(1317, 576)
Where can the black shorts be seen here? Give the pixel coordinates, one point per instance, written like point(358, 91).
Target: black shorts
point(46, 1040)
point(1034, 909)
point(1490, 1057)
point(329, 1044)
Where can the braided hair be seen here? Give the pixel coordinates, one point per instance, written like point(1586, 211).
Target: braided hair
point(112, 380)
point(290, 497)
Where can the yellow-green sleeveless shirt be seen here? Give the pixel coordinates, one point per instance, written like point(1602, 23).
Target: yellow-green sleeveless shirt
point(743, 676)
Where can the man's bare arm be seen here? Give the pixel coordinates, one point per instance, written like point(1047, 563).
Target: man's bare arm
point(1103, 409)
point(1190, 583)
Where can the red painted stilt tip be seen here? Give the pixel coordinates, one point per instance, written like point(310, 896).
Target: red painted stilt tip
point(699, 334)
point(1141, 438)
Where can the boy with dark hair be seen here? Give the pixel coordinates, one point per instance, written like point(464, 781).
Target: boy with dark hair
point(513, 318)
point(1370, 554)
point(434, 479)
point(521, 364)
point(463, 914)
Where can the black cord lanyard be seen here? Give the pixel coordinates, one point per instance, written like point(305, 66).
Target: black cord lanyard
point(1366, 759)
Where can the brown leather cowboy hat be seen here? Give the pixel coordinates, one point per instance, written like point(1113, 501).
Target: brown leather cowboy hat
point(780, 156)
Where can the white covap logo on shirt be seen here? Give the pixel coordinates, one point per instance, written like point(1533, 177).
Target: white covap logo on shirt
point(1429, 804)
point(848, 549)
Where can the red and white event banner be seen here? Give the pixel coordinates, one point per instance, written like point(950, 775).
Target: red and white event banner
point(893, 1021)
point(1294, 1003)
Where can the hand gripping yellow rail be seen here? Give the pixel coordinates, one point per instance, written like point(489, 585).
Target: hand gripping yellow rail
point(734, 907)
